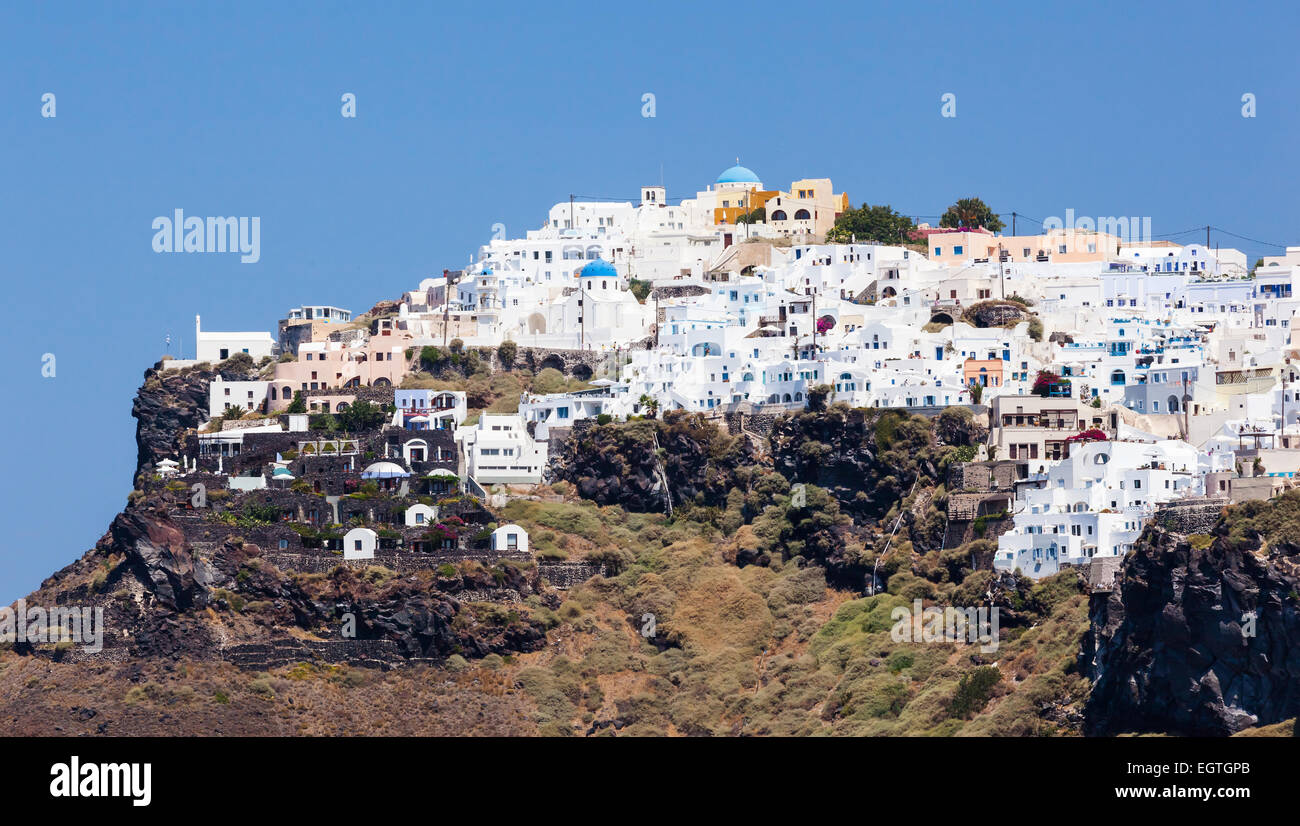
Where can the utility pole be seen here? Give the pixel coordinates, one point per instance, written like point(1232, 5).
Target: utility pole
point(814, 318)
point(1002, 271)
point(655, 293)
point(571, 224)
point(1013, 223)
point(1286, 368)
point(1207, 236)
point(446, 305)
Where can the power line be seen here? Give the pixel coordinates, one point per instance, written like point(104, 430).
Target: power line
point(1244, 238)
point(1184, 232)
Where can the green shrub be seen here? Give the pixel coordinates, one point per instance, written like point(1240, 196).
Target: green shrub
point(974, 691)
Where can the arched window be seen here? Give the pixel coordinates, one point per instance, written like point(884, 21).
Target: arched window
point(1117, 377)
point(802, 215)
point(779, 215)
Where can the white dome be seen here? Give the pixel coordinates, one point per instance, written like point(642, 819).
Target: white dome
point(383, 470)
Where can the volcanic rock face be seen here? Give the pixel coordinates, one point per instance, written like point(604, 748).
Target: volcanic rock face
point(641, 465)
point(157, 552)
point(866, 460)
point(421, 615)
point(1170, 649)
point(167, 404)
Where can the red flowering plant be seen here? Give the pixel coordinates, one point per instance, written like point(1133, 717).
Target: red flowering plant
point(441, 532)
point(825, 324)
point(1090, 435)
point(1045, 381)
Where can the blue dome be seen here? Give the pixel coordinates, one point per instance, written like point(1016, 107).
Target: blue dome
point(599, 268)
point(738, 175)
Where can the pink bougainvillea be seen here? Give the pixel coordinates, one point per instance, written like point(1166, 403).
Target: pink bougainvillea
point(1092, 435)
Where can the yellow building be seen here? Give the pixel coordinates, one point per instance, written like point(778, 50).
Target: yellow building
point(810, 206)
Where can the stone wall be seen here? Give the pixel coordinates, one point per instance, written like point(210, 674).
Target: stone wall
point(323, 563)
point(678, 291)
point(374, 394)
point(568, 574)
point(760, 424)
point(1198, 516)
point(998, 475)
point(1100, 572)
point(383, 654)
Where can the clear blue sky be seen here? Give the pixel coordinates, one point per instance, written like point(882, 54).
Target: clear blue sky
point(489, 113)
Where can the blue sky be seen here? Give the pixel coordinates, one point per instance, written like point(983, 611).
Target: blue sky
point(483, 113)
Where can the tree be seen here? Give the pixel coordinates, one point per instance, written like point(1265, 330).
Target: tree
point(361, 415)
point(976, 393)
point(506, 353)
point(871, 223)
point(649, 405)
point(971, 213)
point(298, 405)
point(817, 397)
point(758, 216)
point(958, 426)
point(1035, 329)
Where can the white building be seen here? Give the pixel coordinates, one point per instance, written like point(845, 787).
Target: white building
point(499, 450)
point(244, 395)
point(360, 543)
point(510, 539)
point(217, 347)
point(1095, 503)
point(429, 409)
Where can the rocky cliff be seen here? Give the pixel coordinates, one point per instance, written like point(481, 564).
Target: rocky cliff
point(1174, 647)
point(650, 464)
point(166, 405)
